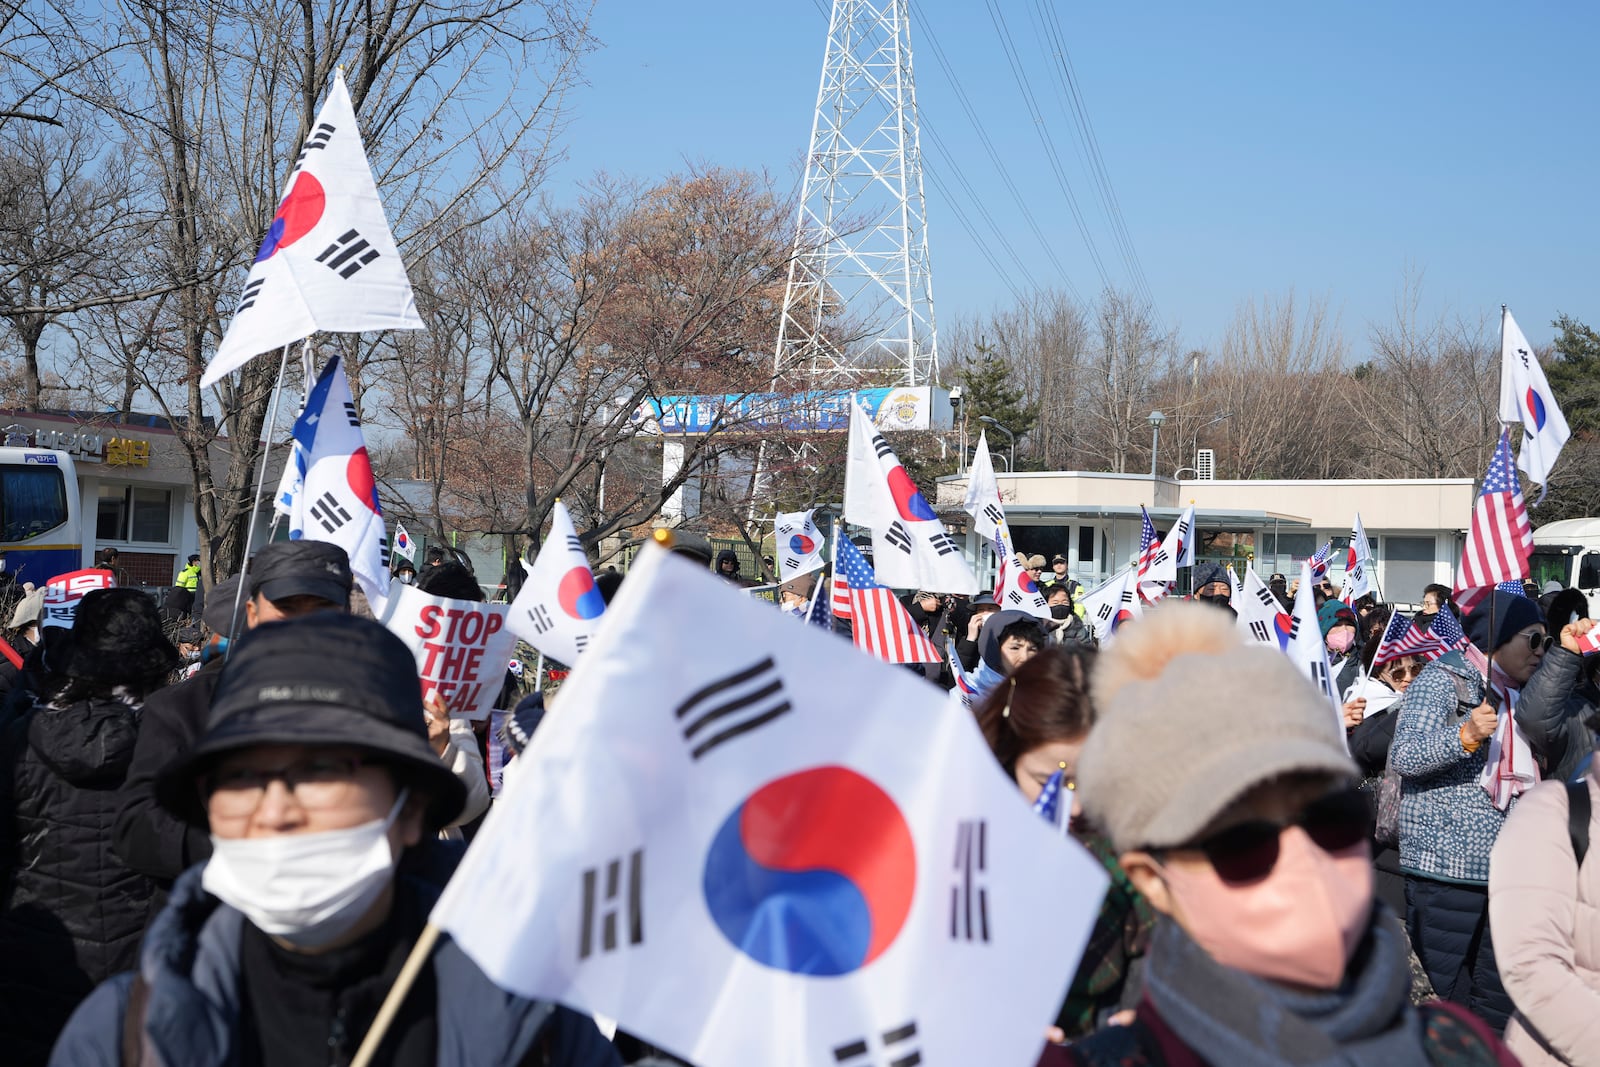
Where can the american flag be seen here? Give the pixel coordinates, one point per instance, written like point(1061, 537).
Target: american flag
point(1402, 638)
point(1500, 538)
point(881, 625)
point(1319, 562)
point(1447, 628)
point(1148, 545)
point(839, 600)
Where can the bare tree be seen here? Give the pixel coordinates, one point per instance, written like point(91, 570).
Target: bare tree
point(1125, 359)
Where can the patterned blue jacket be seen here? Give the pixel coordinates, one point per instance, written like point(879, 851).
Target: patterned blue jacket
point(1447, 823)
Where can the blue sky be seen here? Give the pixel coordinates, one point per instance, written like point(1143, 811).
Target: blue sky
point(1253, 147)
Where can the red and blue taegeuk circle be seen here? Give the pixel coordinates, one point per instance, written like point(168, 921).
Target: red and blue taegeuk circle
point(801, 545)
point(1283, 629)
point(1028, 584)
point(813, 873)
point(358, 473)
point(1536, 411)
point(908, 499)
point(297, 216)
point(578, 595)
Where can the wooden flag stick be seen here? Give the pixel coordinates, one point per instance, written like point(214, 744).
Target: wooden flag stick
point(397, 995)
point(255, 502)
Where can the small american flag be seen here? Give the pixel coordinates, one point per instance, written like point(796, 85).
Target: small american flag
point(1447, 628)
point(880, 624)
point(1500, 538)
point(1402, 638)
point(1148, 545)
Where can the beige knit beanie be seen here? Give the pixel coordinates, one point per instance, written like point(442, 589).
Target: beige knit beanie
point(1189, 717)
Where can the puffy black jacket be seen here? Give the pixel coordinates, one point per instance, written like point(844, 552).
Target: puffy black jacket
point(70, 913)
point(1554, 711)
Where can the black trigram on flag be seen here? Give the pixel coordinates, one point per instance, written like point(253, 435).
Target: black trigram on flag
point(881, 447)
point(1294, 627)
point(1258, 630)
point(540, 618)
point(1264, 595)
point(896, 535)
point(943, 544)
point(897, 1050)
point(613, 909)
point(993, 513)
point(969, 901)
point(383, 552)
point(1319, 675)
point(319, 139)
point(580, 641)
point(1015, 597)
point(1105, 611)
point(790, 563)
point(350, 415)
point(732, 707)
point(575, 544)
point(348, 254)
point(329, 512)
point(251, 291)
point(1161, 557)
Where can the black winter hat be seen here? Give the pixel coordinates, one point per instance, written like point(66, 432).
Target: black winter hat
point(117, 638)
point(1205, 574)
point(324, 679)
point(1512, 614)
point(301, 568)
point(450, 580)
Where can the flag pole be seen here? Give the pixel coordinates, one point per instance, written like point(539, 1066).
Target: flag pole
point(538, 677)
point(396, 996)
point(255, 502)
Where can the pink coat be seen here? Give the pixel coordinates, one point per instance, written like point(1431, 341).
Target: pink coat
point(1545, 920)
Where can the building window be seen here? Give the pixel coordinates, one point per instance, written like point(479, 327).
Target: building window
point(1409, 549)
point(1086, 544)
point(137, 515)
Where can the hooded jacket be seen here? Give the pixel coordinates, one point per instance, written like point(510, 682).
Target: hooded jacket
point(72, 914)
point(1545, 913)
point(1554, 711)
point(190, 965)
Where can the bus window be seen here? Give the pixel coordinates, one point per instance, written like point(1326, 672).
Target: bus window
point(1589, 571)
point(1548, 565)
point(33, 501)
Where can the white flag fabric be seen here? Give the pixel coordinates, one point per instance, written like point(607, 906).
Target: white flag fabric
point(332, 495)
point(1233, 590)
point(403, 545)
point(328, 261)
point(559, 606)
point(1357, 565)
point(1525, 397)
point(746, 867)
point(910, 548)
point(1115, 602)
point(1018, 591)
point(799, 544)
point(983, 499)
point(1177, 550)
point(1306, 648)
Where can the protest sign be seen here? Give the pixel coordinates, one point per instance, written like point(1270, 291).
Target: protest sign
point(462, 646)
point(63, 592)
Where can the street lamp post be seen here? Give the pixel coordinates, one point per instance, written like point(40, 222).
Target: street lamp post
point(988, 420)
point(1156, 419)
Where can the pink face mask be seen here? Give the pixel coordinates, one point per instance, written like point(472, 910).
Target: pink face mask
point(1341, 639)
point(1299, 924)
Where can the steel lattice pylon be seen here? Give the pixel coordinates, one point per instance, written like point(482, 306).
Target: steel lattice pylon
point(860, 261)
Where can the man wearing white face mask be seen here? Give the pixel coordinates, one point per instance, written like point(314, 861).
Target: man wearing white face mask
point(1252, 846)
point(321, 794)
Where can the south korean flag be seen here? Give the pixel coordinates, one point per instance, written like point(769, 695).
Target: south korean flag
point(799, 544)
point(559, 606)
point(739, 866)
point(328, 260)
point(1109, 606)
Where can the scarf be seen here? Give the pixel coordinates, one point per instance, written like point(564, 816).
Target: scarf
point(1509, 769)
point(1227, 1016)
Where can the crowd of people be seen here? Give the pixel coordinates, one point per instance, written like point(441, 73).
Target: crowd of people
point(218, 845)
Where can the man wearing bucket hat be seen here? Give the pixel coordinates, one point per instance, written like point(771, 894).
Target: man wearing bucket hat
point(287, 580)
point(321, 794)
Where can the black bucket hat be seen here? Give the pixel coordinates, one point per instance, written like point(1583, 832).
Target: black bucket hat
point(325, 679)
point(116, 638)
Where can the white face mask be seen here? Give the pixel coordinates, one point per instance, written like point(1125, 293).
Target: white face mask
point(307, 889)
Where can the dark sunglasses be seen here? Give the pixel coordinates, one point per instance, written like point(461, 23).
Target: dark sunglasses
point(1540, 642)
point(1248, 852)
point(1400, 674)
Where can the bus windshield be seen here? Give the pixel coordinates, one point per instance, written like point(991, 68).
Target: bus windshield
point(33, 501)
point(1546, 565)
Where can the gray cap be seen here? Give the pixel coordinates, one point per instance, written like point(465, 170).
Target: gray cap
point(217, 612)
point(301, 568)
point(1191, 719)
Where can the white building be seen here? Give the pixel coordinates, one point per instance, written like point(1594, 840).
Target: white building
point(1415, 527)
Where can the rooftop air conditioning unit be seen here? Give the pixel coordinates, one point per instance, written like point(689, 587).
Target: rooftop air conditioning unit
point(1205, 464)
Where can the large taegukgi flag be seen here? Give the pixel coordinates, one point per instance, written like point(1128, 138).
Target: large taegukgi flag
point(1525, 397)
point(328, 261)
point(744, 866)
point(559, 606)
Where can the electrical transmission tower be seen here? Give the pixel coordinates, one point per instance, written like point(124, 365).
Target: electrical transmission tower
point(860, 268)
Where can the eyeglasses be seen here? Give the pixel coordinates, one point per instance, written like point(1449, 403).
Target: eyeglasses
point(317, 782)
point(1539, 642)
point(1248, 852)
point(1401, 673)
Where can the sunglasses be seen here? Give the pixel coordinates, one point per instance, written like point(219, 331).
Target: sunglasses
point(1540, 642)
point(1400, 674)
point(1248, 852)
